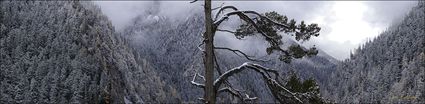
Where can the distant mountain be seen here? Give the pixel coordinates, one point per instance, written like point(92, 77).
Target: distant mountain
point(68, 52)
point(171, 47)
point(388, 69)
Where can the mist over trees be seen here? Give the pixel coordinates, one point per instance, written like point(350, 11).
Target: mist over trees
point(172, 48)
point(69, 52)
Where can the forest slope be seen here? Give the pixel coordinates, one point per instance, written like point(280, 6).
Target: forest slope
point(388, 69)
point(68, 52)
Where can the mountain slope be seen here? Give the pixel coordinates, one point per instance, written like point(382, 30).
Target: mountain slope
point(68, 52)
point(388, 69)
point(171, 46)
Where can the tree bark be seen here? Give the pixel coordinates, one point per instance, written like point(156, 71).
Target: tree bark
point(209, 58)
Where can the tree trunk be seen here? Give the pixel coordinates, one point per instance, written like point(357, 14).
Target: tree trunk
point(208, 58)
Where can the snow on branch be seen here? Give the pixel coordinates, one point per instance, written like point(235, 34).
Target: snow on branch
point(224, 8)
point(286, 93)
point(202, 99)
point(199, 46)
point(258, 68)
point(201, 76)
point(237, 93)
point(264, 71)
point(230, 90)
point(198, 84)
point(250, 98)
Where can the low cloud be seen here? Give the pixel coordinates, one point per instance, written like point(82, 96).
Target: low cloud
point(337, 37)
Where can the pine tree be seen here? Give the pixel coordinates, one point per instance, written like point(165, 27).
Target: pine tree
point(268, 26)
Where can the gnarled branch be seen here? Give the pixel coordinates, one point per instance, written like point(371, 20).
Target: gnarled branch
point(239, 52)
point(261, 25)
point(245, 18)
point(231, 91)
point(193, 1)
point(224, 8)
point(264, 71)
point(196, 83)
point(258, 68)
point(273, 40)
point(221, 6)
point(199, 46)
point(250, 98)
point(237, 93)
point(222, 30)
point(273, 84)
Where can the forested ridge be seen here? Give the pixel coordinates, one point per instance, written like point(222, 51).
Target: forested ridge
point(388, 69)
point(69, 52)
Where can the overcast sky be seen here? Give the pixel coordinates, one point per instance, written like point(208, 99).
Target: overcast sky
point(345, 24)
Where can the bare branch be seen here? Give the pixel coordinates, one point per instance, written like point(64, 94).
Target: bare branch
point(258, 68)
point(193, 1)
point(250, 98)
point(271, 83)
point(199, 46)
point(202, 99)
point(201, 76)
point(222, 30)
point(224, 8)
point(195, 83)
point(239, 52)
point(266, 70)
point(229, 87)
point(221, 6)
point(218, 22)
point(230, 90)
point(275, 84)
point(237, 93)
point(216, 64)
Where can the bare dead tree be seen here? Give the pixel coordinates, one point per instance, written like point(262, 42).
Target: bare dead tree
point(267, 25)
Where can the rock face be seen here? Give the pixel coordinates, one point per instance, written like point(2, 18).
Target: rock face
point(68, 52)
point(389, 69)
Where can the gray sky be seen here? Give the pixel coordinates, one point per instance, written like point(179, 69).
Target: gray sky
point(345, 24)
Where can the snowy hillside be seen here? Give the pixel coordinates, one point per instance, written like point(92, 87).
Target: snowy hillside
point(65, 52)
point(388, 69)
point(68, 52)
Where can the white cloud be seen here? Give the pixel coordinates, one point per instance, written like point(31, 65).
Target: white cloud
point(345, 24)
point(348, 24)
point(122, 12)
